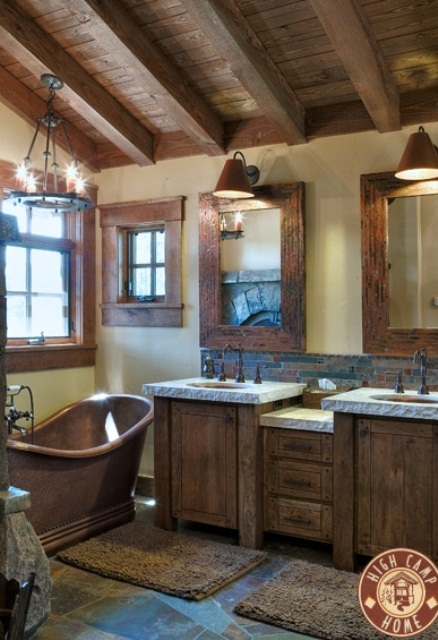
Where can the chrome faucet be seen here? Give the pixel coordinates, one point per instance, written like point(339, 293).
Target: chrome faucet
point(421, 355)
point(239, 376)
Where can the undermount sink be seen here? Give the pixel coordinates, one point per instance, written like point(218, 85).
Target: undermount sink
point(417, 399)
point(218, 385)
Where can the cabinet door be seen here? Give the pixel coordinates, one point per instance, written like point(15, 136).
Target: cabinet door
point(394, 486)
point(204, 469)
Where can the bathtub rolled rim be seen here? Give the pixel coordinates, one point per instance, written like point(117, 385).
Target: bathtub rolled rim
point(15, 442)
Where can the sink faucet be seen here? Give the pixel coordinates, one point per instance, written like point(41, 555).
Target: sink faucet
point(239, 376)
point(421, 355)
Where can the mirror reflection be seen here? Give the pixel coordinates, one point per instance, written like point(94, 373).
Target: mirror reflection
point(267, 248)
point(251, 268)
point(413, 262)
point(399, 267)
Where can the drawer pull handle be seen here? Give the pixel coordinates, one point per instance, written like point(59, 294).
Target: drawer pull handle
point(298, 447)
point(298, 521)
point(298, 483)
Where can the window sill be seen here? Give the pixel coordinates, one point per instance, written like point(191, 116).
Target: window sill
point(142, 314)
point(44, 356)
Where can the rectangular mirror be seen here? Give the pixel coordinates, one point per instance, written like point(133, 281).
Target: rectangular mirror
point(252, 282)
point(399, 266)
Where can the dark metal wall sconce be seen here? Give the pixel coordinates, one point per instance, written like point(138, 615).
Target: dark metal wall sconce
point(420, 158)
point(237, 178)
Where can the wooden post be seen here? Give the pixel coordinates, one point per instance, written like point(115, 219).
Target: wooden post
point(8, 232)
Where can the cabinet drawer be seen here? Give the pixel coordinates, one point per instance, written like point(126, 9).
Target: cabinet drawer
point(300, 480)
point(301, 445)
point(299, 518)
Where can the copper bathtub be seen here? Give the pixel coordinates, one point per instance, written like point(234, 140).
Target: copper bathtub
point(82, 469)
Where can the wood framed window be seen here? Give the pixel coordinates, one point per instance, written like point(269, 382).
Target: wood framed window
point(75, 251)
point(141, 263)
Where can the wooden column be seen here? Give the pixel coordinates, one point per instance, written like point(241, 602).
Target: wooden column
point(162, 464)
point(343, 492)
point(250, 474)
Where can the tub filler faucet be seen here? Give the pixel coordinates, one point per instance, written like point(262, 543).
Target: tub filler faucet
point(421, 356)
point(14, 415)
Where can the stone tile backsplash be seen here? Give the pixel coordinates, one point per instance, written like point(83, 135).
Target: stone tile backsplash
point(343, 370)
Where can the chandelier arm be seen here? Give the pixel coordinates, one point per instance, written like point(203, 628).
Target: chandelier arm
point(46, 158)
point(39, 121)
point(67, 139)
point(54, 162)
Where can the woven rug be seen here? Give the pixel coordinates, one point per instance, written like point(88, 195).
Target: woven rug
point(317, 601)
point(177, 564)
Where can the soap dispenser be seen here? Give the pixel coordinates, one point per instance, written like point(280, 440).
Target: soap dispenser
point(208, 367)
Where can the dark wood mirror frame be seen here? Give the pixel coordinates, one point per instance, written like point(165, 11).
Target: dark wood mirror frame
point(291, 336)
point(377, 335)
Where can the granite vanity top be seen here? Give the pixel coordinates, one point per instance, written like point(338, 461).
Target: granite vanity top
point(229, 391)
point(299, 418)
point(384, 402)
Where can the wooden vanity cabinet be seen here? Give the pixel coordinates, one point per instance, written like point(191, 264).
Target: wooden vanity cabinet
point(204, 463)
point(299, 483)
point(396, 490)
point(385, 487)
point(208, 464)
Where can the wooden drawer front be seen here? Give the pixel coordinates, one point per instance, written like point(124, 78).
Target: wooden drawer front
point(300, 480)
point(305, 519)
point(302, 445)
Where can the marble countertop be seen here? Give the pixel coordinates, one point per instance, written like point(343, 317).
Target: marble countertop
point(384, 402)
point(299, 418)
point(229, 391)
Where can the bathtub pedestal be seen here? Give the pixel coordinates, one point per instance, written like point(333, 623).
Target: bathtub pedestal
point(21, 553)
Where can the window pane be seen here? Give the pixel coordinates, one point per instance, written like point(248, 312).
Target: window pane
point(160, 236)
point(15, 269)
point(160, 287)
point(42, 276)
point(142, 248)
point(47, 223)
point(16, 315)
point(142, 282)
point(47, 271)
point(48, 316)
point(20, 213)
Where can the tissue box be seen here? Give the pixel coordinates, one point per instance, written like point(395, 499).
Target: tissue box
point(312, 397)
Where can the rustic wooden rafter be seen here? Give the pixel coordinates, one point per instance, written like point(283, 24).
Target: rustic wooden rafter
point(15, 95)
point(361, 56)
point(112, 25)
point(234, 39)
point(151, 80)
point(39, 53)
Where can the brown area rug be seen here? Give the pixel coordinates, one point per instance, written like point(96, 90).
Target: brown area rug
point(174, 563)
point(314, 600)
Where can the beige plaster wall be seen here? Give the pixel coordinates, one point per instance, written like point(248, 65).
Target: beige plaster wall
point(331, 167)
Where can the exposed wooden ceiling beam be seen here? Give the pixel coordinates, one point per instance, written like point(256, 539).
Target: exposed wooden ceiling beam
point(117, 31)
point(362, 58)
point(40, 54)
point(25, 103)
point(235, 41)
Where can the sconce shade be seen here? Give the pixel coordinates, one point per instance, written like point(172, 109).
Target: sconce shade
point(234, 181)
point(420, 158)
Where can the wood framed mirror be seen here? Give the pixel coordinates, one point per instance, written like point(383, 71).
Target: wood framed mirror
point(278, 204)
point(383, 330)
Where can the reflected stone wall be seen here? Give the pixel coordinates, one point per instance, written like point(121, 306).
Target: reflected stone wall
point(251, 297)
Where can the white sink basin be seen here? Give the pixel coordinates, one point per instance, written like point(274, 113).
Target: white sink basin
point(405, 398)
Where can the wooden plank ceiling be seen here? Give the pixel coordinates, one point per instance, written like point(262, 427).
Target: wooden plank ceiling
point(147, 80)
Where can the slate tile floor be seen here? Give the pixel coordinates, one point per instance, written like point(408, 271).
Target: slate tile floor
point(86, 606)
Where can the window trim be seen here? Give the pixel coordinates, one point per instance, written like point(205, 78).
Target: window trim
point(127, 215)
point(81, 350)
